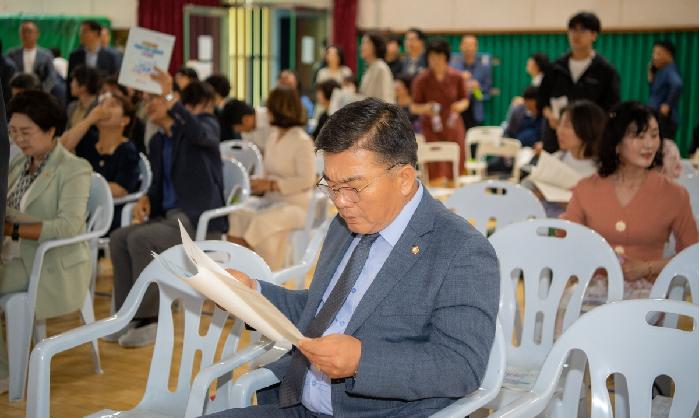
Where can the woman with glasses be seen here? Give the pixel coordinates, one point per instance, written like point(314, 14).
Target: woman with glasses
point(289, 164)
point(49, 187)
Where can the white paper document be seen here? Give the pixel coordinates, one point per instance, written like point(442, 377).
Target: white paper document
point(214, 282)
point(554, 178)
point(145, 50)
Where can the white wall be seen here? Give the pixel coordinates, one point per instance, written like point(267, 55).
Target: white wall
point(522, 15)
point(122, 13)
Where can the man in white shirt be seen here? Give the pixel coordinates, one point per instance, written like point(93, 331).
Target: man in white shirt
point(30, 58)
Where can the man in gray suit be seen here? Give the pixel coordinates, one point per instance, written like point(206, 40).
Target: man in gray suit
point(401, 313)
point(31, 58)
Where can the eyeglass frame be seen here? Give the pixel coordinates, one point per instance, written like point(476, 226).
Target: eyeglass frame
point(334, 192)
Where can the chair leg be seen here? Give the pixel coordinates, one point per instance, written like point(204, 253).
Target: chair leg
point(19, 334)
point(88, 316)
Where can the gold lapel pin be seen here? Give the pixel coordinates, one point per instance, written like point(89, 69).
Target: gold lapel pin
point(415, 250)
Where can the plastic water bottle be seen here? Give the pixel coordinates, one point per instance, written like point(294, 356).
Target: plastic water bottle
point(435, 119)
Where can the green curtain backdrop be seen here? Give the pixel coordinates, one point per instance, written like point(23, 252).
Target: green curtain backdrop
point(55, 31)
point(629, 52)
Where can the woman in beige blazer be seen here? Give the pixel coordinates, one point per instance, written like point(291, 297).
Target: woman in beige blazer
point(289, 161)
point(47, 183)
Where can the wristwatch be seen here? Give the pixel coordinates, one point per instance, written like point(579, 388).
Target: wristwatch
point(15, 232)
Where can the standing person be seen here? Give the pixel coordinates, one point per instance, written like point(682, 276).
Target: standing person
point(31, 58)
point(581, 73)
point(633, 206)
point(665, 87)
point(476, 72)
point(439, 96)
point(90, 53)
point(333, 66)
point(536, 67)
point(413, 60)
point(401, 312)
point(377, 81)
point(187, 180)
point(393, 55)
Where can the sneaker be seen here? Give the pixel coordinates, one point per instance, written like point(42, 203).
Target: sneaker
point(113, 338)
point(139, 336)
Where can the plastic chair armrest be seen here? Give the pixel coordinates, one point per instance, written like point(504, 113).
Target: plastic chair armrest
point(249, 383)
point(465, 406)
point(132, 197)
point(528, 405)
point(282, 276)
point(208, 215)
point(127, 213)
point(200, 385)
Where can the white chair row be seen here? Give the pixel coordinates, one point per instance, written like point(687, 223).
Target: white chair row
point(19, 307)
point(542, 297)
point(246, 152)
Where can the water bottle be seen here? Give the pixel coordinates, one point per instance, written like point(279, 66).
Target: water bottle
point(435, 119)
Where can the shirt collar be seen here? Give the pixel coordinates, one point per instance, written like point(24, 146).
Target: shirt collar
point(393, 231)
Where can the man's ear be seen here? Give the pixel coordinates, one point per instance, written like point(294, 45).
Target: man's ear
point(407, 178)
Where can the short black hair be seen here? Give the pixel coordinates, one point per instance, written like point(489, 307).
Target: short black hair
point(188, 72)
point(25, 81)
point(55, 51)
point(588, 120)
point(220, 83)
point(112, 80)
point(93, 25)
point(404, 79)
point(438, 46)
point(351, 79)
point(541, 60)
point(41, 107)
point(667, 45)
point(586, 20)
point(234, 110)
point(372, 125)
point(197, 92)
point(623, 117)
point(530, 92)
point(378, 44)
point(341, 54)
point(419, 33)
point(326, 87)
point(87, 77)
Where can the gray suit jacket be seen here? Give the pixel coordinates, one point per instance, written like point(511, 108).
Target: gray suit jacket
point(43, 65)
point(426, 323)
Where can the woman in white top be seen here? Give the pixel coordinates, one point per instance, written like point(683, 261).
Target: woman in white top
point(290, 174)
point(377, 81)
point(333, 66)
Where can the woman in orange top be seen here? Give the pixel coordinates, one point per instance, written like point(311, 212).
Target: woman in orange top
point(633, 207)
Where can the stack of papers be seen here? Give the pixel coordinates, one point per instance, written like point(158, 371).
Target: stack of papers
point(554, 178)
point(248, 305)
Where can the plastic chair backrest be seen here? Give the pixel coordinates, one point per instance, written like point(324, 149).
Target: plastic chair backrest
point(506, 147)
point(690, 182)
point(236, 182)
point(157, 396)
point(438, 152)
point(481, 134)
point(682, 270)
point(617, 338)
point(546, 263)
point(100, 205)
point(246, 152)
point(145, 178)
point(479, 204)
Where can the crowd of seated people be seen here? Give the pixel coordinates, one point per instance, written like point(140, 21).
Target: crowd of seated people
point(570, 108)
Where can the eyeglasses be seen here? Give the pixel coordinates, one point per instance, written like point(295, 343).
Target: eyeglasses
point(350, 194)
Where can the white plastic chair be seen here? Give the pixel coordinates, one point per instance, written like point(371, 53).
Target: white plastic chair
point(476, 136)
point(505, 148)
point(618, 338)
point(547, 264)
point(158, 400)
point(315, 216)
point(20, 307)
point(689, 180)
point(440, 151)
point(671, 283)
point(478, 203)
point(246, 152)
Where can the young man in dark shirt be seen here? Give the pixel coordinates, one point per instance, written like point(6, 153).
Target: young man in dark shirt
point(581, 73)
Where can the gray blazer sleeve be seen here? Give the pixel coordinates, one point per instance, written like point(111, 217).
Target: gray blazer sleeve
point(5, 153)
point(451, 362)
point(290, 302)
